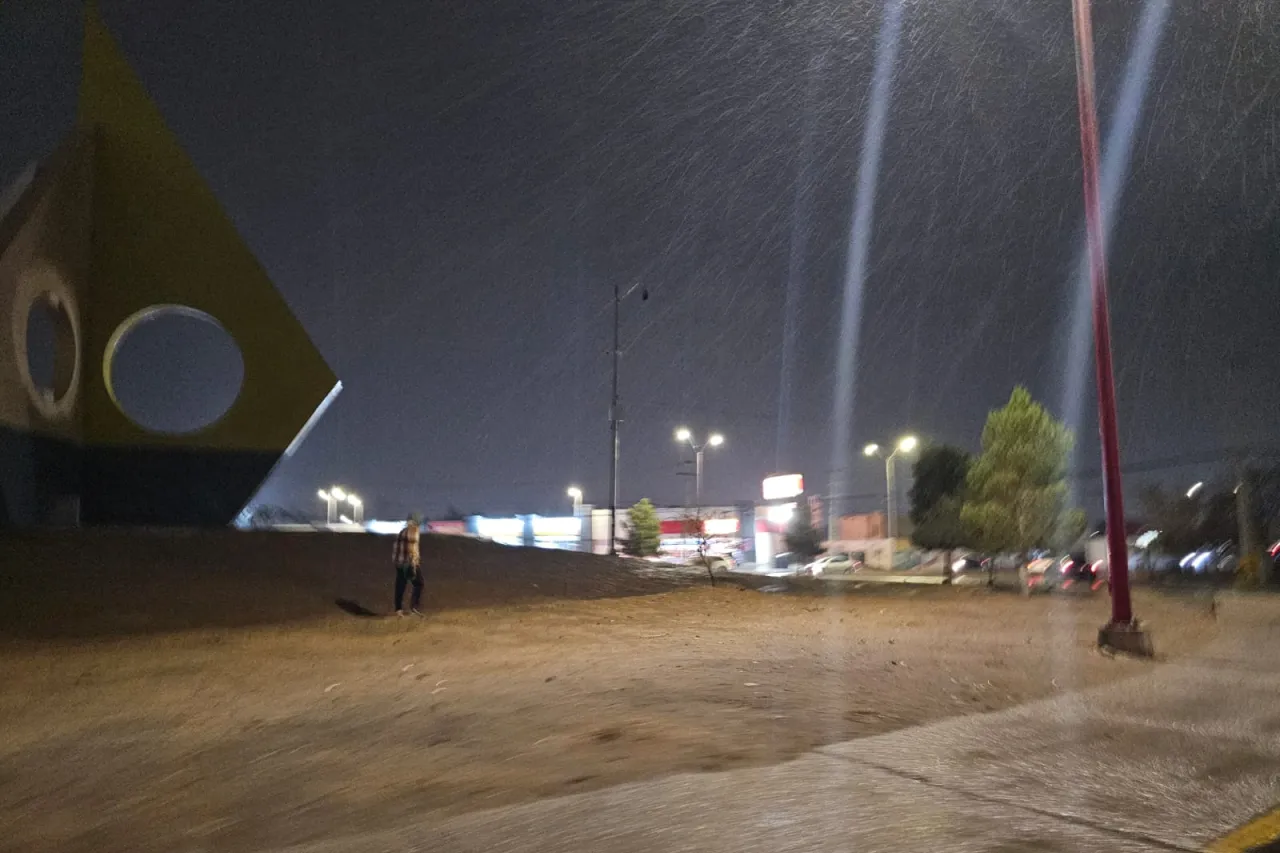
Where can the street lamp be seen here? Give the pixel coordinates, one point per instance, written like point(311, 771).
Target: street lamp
point(906, 444)
point(336, 495)
point(684, 436)
point(576, 494)
point(1194, 490)
point(330, 505)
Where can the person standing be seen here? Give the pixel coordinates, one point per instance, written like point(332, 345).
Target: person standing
point(408, 563)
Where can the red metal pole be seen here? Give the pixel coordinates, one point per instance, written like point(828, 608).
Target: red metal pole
point(1117, 556)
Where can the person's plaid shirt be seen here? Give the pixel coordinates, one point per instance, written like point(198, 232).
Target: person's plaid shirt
point(405, 552)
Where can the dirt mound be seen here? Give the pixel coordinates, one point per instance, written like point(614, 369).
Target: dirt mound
point(110, 583)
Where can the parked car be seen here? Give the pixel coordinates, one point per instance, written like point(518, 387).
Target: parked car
point(1210, 559)
point(971, 563)
point(787, 560)
point(830, 564)
point(1075, 569)
point(714, 562)
point(1041, 566)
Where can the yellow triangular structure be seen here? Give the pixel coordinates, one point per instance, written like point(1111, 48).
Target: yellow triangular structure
point(117, 226)
point(160, 237)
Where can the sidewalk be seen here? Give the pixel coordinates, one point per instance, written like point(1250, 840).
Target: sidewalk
point(1170, 760)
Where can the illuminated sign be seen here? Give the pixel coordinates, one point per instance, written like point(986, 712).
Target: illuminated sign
point(783, 486)
point(782, 513)
point(564, 527)
point(384, 528)
point(720, 526)
point(448, 528)
point(500, 528)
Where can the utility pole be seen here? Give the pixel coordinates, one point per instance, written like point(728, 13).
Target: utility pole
point(613, 429)
point(891, 499)
point(1250, 544)
point(615, 412)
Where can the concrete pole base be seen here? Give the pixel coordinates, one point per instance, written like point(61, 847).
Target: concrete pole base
point(1128, 638)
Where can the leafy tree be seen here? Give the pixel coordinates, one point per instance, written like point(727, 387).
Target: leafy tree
point(452, 513)
point(1266, 493)
point(1070, 530)
point(803, 539)
point(936, 495)
point(645, 530)
point(1176, 516)
point(1016, 498)
point(1220, 521)
point(942, 528)
point(939, 473)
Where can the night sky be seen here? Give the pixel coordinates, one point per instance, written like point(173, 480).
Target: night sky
point(447, 192)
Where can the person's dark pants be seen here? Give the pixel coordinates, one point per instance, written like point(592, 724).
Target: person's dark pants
point(404, 576)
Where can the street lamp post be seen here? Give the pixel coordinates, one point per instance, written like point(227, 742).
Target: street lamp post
point(331, 505)
point(576, 494)
point(684, 436)
point(333, 497)
point(906, 444)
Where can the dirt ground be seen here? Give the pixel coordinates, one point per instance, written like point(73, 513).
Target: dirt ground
point(243, 737)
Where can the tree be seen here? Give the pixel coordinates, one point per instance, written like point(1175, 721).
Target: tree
point(645, 530)
point(1016, 489)
point(803, 539)
point(695, 527)
point(1070, 531)
point(942, 528)
point(452, 513)
point(1176, 516)
point(1266, 493)
point(939, 473)
point(937, 498)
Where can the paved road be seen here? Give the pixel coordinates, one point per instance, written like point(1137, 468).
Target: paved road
point(1171, 760)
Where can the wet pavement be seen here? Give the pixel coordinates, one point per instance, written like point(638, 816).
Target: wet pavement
point(1177, 759)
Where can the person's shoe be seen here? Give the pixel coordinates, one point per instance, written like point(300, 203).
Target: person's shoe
point(416, 612)
point(399, 612)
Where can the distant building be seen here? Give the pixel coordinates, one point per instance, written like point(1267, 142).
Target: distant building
point(867, 525)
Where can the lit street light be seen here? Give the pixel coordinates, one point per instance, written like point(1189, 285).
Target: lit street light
point(684, 436)
point(576, 494)
point(336, 495)
point(906, 444)
point(330, 505)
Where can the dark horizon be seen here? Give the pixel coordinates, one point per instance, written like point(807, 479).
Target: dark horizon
point(446, 195)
